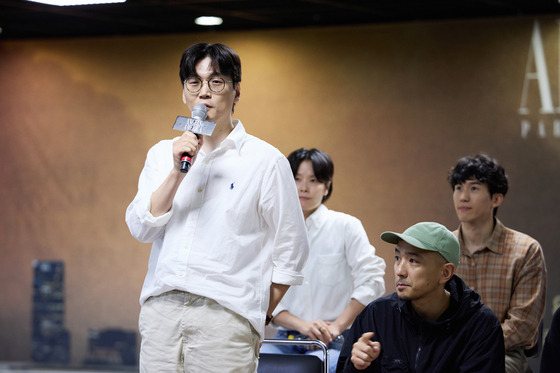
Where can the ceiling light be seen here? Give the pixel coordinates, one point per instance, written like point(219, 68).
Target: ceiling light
point(208, 21)
point(76, 2)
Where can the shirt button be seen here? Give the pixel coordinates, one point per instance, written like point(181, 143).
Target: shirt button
point(180, 274)
point(199, 190)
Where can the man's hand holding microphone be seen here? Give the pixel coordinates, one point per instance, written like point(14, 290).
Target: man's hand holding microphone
point(186, 147)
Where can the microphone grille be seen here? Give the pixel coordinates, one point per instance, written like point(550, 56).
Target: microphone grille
point(199, 112)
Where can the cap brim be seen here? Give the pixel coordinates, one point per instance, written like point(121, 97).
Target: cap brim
point(394, 238)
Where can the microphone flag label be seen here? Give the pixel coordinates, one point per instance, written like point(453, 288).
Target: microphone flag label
point(201, 127)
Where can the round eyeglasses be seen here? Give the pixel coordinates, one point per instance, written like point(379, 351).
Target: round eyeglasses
point(215, 84)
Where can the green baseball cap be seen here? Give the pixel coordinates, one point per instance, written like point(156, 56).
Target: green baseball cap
point(429, 236)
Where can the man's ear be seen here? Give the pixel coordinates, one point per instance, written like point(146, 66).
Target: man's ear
point(497, 199)
point(184, 98)
point(447, 272)
point(327, 186)
point(237, 93)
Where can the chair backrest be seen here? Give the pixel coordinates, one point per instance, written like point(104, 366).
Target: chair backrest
point(294, 363)
point(289, 363)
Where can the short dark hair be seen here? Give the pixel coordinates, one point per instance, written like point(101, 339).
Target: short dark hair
point(224, 59)
point(323, 166)
point(483, 168)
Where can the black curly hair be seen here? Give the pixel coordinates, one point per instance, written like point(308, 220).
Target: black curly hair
point(483, 168)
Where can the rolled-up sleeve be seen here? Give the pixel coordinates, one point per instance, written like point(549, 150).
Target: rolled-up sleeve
point(367, 268)
point(282, 211)
point(142, 224)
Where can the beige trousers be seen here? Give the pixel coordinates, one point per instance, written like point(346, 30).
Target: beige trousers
point(182, 332)
point(516, 361)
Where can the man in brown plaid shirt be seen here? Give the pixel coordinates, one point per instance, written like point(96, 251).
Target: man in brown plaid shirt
point(505, 267)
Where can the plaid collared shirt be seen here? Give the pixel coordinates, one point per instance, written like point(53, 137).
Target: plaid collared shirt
point(510, 276)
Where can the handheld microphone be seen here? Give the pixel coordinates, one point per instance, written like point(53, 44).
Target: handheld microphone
point(200, 113)
point(196, 125)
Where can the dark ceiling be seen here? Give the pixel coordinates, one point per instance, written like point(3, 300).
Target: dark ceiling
point(24, 19)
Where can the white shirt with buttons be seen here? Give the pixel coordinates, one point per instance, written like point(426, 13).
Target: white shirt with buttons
point(234, 227)
point(342, 265)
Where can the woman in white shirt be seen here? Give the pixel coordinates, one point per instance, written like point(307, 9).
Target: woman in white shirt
point(342, 274)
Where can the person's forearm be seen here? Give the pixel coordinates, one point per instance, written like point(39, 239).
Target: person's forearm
point(346, 318)
point(286, 320)
point(162, 198)
point(277, 292)
point(291, 322)
point(526, 304)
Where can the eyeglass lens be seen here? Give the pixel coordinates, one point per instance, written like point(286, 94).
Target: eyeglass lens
point(216, 85)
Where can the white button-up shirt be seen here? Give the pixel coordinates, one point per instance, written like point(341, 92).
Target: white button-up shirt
point(235, 225)
point(342, 265)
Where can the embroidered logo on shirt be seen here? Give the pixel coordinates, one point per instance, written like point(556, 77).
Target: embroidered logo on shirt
point(231, 186)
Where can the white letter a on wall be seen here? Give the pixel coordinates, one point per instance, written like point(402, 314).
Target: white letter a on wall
point(536, 58)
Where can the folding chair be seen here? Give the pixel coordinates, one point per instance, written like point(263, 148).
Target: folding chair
point(294, 363)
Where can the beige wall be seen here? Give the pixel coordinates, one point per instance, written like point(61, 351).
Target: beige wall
point(394, 105)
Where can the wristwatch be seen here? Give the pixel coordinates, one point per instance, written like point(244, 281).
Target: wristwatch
point(268, 319)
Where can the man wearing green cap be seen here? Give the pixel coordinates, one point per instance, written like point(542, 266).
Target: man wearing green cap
point(433, 322)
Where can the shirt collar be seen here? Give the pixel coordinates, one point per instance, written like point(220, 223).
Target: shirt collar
point(237, 136)
point(317, 218)
point(235, 139)
point(493, 243)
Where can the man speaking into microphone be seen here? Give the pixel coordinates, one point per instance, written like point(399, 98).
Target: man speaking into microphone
point(228, 236)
